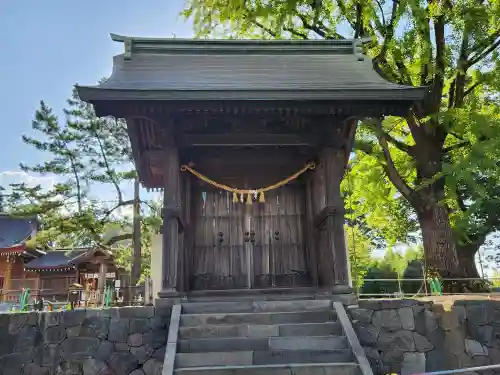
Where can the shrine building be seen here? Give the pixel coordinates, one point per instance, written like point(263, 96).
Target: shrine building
point(249, 142)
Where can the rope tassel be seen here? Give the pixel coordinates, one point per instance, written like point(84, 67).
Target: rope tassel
point(262, 199)
point(235, 197)
point(249, 198)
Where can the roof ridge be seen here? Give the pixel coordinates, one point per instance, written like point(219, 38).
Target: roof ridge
point(70, 249)
point(186, 46)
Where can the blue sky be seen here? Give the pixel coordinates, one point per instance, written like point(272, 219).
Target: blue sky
point(48, 46)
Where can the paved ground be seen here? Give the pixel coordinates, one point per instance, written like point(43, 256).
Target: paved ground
point(457, 297)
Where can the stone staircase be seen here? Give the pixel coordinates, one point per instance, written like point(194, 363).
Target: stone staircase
point(270, 337)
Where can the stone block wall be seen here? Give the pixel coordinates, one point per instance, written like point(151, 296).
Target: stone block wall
point(409, 336)
point(117, 341)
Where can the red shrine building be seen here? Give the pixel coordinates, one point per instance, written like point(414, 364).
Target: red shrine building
point(49, 273)
point(93, 268)
point(15, 253)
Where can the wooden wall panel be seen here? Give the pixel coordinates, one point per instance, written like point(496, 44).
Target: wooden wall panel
point(259, 245)
point(219, 258)
point(279, 251)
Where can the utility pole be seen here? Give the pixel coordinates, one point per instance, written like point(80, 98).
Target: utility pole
point(136, 238)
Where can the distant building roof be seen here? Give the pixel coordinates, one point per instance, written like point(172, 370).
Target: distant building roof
point(187, 69)
point(61, 259)
point(16, 231)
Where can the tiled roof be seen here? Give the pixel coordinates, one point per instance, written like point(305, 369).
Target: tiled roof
point(56, 259)
point(177, 69)
point(16, 231)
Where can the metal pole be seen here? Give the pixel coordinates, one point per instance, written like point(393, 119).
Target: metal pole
point(469, 369)
point(136, 238)
point(480, 262)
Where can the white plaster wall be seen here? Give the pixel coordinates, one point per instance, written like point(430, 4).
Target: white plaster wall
point(156, 262)
point(349, 276)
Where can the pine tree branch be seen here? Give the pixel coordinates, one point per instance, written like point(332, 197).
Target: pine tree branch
point(108, 213)
point(77, 180)
point(108, 169)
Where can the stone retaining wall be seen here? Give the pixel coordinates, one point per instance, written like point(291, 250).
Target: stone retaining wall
point(117, 341)
point(409, 336)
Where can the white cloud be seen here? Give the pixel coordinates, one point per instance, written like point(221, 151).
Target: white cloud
point(16, 177)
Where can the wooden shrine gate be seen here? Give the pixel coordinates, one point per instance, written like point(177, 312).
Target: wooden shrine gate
point(249, 246)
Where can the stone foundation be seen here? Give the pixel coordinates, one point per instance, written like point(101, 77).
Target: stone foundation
point(409, 336)
point(117, 341)
point(402, 336)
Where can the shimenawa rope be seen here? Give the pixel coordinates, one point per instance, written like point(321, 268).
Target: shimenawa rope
point(257, 193)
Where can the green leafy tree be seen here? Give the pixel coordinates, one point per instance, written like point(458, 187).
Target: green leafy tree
point(150, 225)
point(86, 155)
point(372, 203)
point(360, 247)
point(451, 47)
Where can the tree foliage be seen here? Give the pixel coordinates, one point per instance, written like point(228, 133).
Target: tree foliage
point(85, 155)
point(360, 251)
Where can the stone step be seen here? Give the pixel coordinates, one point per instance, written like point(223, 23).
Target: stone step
point(269, 343)
point(263, 318)
point(251, 298)
point(269, 294)
point(259, 331)
point(257, 293)
point(286, 369)
point(264, 357)
point(255, 306)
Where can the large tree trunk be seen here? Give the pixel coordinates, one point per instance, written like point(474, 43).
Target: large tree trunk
point(438, 238)
point(466, 259)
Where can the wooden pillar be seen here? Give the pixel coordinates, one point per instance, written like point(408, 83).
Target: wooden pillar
point(7, 278)
point(311, 233)
point(188, 233)
point(77, 275)
point(103, 270)
point(170, 229)
point(334, 160)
